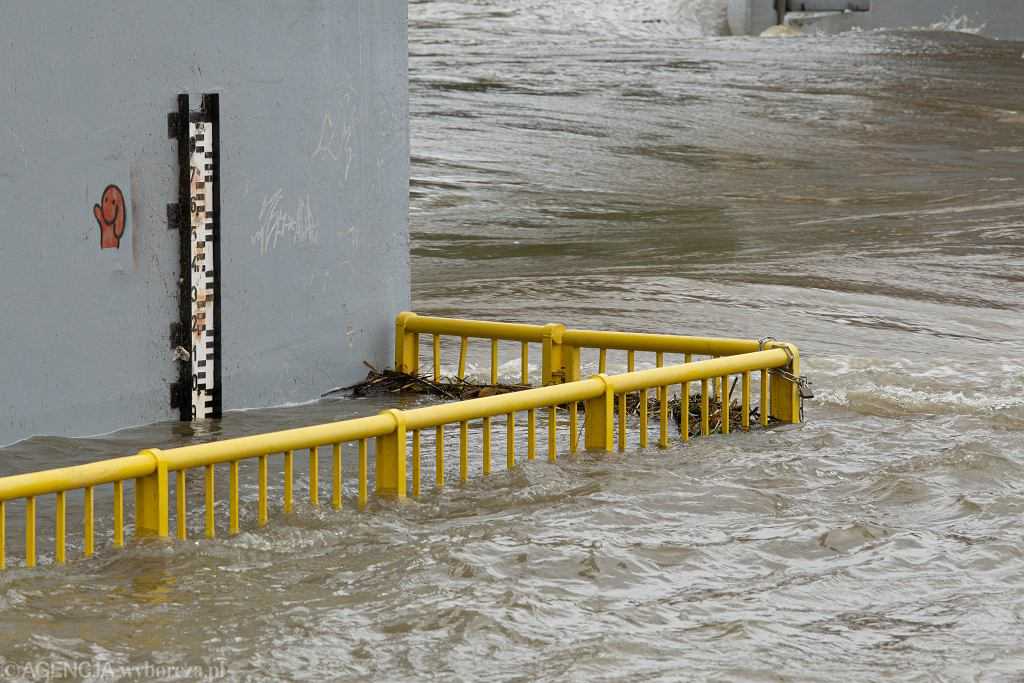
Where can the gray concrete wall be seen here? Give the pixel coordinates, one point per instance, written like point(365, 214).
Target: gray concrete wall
point(751, 17)
point(314, 187)
point(996, 18)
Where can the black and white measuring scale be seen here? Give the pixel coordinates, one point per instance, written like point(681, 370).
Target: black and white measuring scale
point(196, 217)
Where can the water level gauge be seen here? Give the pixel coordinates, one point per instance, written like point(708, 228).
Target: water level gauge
point(196, 217)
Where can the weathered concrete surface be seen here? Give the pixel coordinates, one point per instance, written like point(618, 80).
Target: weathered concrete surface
point(827, 5)
point(994, 18)
point(751, 17)
point(314, 187)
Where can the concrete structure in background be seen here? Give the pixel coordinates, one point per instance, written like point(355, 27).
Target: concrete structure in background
point(1002, 19)
point(314, 259)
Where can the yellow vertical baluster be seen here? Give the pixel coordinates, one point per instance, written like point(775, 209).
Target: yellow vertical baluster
point(211, 529)
point(289, 467)
point(30, 531)
point(716, 386)
point(531, 434)
point(631, 363)
point(684, 405)
point(60, 538)
point(762, 407)
point(631, 367)
point(524, 357)
point(552, 434)
point(89, 522)
point(663, 407)
point(463, 350)
point(416, 462)
point(439, 457)
point(684, 412)
point(643, 418)
point(437, 357)
point(118, 514)
point(262, 505)
point(487, 445)
point(663, 415)
point(705, 420)
point(510, 441)
point(233, 497)
point(745, 408)
point(725, 404)
point(602, 360)
point(494, 361)
point(622, 423)
point(573, 436)
point(314, 475)
point(180, 500)
point(463, 452)
point(416, 345)
point(3, 534)
point(362, 474)
point(336, 474)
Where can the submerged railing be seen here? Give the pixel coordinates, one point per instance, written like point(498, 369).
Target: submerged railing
point(561, 352)
point(602, 395)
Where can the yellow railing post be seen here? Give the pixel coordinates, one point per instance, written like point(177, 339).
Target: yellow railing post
point(151, 492)
point(551, 352)
point(571, 362)
point(390, 458)
point(407, 352)
point(30, 531)
point(599, 418)
point(785, 394)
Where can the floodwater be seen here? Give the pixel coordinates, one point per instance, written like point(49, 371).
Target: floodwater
point(621, 165)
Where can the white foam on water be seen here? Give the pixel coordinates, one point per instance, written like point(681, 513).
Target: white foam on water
point(902, 387)
point(956, 24)
point(950, 23)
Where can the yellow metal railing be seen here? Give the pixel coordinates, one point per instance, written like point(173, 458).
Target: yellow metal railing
point(151, 469)
point(58, 482)
point(560, 362)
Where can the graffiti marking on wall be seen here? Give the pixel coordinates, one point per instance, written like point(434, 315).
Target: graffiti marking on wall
point(109, 214)
point(275, 222)
point(336, 140)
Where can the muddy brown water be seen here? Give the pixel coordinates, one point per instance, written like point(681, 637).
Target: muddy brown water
point(622, 166)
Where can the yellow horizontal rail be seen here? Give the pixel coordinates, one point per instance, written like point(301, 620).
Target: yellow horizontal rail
point(216, 452)
point(705, 369)
point(474, 328)
point(664, 343)
point(76, 477)
point(560, 351)
point(153, 469)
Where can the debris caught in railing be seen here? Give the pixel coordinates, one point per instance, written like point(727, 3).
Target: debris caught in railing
point(384, 382)
point(388, 382)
